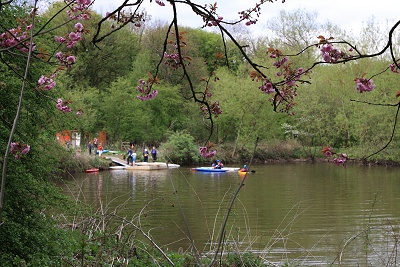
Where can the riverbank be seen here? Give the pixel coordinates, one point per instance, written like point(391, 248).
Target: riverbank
point(288, 151)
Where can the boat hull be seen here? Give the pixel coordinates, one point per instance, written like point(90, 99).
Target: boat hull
point(209, 169)
point(147, 166)
point(92, 170)
point(206, 169)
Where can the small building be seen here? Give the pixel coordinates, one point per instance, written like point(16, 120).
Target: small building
point(72, 138)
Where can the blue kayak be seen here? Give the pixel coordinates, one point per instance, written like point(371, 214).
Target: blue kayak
point(205, 169)
point(104, 151)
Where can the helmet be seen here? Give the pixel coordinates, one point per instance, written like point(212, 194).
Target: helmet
point(244, 166)
point(218, 160)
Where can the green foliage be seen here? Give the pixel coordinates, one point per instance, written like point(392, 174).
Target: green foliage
point(180, 148)
point(29, 234)
point(244, 260)
point(246, 111)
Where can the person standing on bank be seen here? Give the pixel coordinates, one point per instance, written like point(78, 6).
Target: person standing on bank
point(154, 154)
point(90, 148)
point(129, 158)
point(100, 149)
point(145, 155)
point(95, 145)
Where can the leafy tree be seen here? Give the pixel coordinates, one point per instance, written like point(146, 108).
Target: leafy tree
point(180, 148)
point(28, 233)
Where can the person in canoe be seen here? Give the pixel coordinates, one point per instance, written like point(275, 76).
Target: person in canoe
point(219, 165)
point(244, 169)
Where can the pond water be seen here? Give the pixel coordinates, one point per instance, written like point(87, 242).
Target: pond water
point(311, 214)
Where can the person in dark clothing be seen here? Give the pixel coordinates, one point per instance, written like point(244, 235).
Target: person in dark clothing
point(95, 145)
point(219, 165)
point(154, 154)
point(90, 148)
point(129, 157)
point(145, 155)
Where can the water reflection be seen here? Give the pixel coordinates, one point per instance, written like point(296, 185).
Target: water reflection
point(301, 212)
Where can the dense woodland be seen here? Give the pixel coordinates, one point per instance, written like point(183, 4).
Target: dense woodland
point(328, 109)
point(103, 84)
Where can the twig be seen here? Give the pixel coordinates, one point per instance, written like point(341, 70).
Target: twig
point(148, 238)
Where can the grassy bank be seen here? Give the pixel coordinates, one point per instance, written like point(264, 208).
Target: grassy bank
point(273, 151)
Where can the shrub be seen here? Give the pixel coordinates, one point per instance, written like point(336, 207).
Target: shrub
point(181, 149)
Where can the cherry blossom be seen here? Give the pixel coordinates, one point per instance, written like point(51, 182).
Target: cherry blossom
point(206, 153)
point(19, 149)
point(364, 85)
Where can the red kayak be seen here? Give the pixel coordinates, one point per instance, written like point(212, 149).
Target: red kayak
point(92, 170)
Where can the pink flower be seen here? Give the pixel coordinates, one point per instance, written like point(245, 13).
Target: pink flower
point(73, 36)
point(364, 85)
point(19, 149)
point(63, 105)
point(160, 3)
point(148, 96)
point(60, 39)
point(205, 153)
point(46, 83)
point(79, 27)
point(26, 150)
point(394, 68)
point(71, 59)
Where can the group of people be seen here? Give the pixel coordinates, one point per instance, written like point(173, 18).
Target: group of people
point(153, 154)
point(132, 155)
point(96, 146)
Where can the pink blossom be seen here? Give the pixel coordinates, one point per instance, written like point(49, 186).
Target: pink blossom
point(46, 83)
point(19, 149)
point(206, 153)
point(267, 87)
point(60, 39)
point(160, 3)
point(63, 105)
point(364, 85)
point(73, 36)
point(79, 27)
point(148, 96)
point(71, 59)
point(394, 68)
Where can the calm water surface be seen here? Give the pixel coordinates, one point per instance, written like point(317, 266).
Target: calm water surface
point(313, 214)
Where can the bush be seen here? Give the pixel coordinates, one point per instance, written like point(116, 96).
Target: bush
point(29, 235)
point(181, 149)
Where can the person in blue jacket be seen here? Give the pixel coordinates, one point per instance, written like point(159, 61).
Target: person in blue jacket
point(219, 165)
point(129, 158)
point(154, 154)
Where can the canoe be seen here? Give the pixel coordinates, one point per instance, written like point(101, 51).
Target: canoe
point(104, 151)
point(226, 169)
point(147, 166)
point(161, 165)
point(206, 169)
point(92, 170)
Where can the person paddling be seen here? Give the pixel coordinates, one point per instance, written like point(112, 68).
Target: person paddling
point(244, 169)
